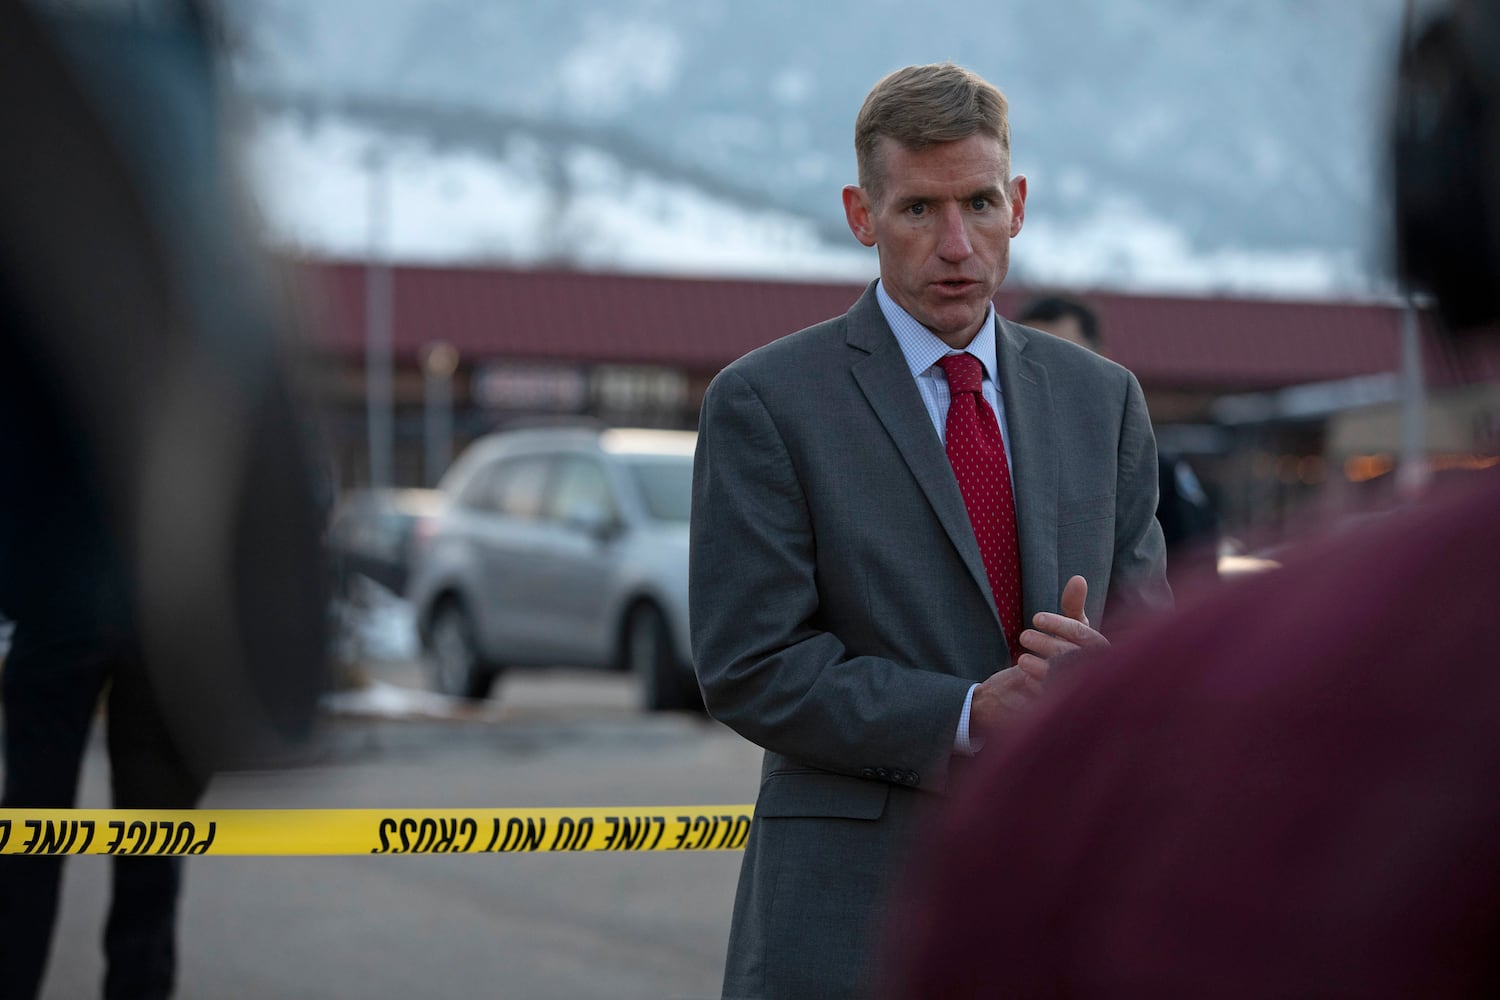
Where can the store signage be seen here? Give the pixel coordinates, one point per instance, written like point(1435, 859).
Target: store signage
point(530, 387)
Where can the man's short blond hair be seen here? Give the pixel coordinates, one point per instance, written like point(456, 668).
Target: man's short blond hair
point(919, 106)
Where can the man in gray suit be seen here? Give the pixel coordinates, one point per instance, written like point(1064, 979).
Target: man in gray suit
point(879, 503)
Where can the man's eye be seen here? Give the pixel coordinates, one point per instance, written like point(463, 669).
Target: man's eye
point(918, 209)
point(979, 204)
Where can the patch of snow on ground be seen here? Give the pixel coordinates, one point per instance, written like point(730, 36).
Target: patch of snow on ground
point(387, 701)
point(375, 624)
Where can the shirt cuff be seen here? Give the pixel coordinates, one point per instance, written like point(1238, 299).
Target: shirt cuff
point(963, 743)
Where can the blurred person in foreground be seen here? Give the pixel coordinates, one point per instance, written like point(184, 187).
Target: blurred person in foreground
point(1293, 790)
point(1189, 522)
point(882, 503)
point(158, 521)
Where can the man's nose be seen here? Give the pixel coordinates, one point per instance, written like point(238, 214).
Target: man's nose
point(953, 242)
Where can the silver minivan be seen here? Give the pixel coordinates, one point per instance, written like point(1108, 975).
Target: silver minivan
point(560, 547)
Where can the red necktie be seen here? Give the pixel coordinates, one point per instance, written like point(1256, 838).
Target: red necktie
point(977, 453)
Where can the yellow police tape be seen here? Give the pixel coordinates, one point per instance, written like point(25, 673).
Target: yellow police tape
point(166, 832)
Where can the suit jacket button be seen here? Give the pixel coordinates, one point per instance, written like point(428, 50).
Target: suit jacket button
point(882, 773)
point(868, 772)
point(912, 778)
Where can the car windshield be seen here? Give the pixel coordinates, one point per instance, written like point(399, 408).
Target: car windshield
point(665, 483)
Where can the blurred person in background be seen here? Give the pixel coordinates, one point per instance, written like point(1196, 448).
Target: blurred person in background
point(1292, 790)
point(159, 520)
point(1189, 522)
point(883, 503)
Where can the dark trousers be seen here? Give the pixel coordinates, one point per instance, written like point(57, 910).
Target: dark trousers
point(53, 679)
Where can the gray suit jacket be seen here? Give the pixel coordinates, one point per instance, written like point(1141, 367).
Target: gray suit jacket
point(840, 608)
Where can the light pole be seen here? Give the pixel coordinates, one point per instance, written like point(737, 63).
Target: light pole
point(439, 362)
point(1413, 470)
point(379, 303)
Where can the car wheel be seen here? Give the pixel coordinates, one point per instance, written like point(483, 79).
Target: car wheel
point(454, 664)
point(649, 653)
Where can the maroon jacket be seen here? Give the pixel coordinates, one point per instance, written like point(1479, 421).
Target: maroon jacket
point(1292, 789)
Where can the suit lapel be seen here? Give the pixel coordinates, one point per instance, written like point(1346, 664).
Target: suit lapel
point(885, 380)
point(1034, 464)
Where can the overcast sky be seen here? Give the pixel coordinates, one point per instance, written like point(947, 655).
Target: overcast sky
point(1169, 144)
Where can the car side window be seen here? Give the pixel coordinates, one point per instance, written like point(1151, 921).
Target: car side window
point(582, 493)
point(479, 492)
point(520, 486)
point(515, 487)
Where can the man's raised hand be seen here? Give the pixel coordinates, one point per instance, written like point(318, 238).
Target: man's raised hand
point(1055, 635)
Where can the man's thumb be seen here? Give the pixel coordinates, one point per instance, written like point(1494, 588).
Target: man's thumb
point(1075, 592)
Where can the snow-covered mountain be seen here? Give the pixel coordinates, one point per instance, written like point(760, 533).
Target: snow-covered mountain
point(1169, 144)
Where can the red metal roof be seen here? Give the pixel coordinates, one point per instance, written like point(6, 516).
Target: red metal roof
point(704, 323)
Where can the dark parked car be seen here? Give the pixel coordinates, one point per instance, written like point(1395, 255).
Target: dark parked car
point(373, 533)
point(561, 546)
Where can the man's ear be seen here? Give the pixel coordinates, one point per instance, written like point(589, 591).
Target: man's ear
point(1017, 203)
point(858, 211)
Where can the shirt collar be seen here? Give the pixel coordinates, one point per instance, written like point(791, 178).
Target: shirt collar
point(922, 348)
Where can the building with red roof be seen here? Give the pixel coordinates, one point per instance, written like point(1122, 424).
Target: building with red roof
point(641, 349)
